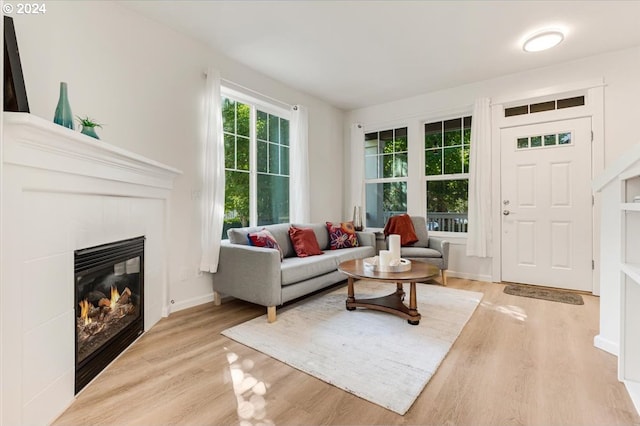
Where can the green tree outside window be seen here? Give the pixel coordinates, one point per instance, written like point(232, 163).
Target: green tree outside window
point(271, 140)
point(447, 144)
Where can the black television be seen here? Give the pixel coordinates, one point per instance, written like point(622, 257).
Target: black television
point(15, 93)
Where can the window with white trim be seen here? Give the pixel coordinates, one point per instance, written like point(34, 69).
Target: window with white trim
point(446, 154)
point(256, 142)
point(386, 172)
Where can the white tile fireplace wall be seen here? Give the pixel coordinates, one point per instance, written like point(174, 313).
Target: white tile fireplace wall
point(64, 191)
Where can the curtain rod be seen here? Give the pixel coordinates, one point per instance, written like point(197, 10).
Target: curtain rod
point(255, 92)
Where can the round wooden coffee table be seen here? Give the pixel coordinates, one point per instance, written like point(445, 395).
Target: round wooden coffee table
point(392, 303)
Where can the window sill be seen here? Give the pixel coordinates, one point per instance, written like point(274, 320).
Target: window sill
point(440, 234)
point(459, 238)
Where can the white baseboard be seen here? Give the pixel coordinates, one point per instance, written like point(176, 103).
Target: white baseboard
point(190, 303)
point(606, 345)
point(469, 276)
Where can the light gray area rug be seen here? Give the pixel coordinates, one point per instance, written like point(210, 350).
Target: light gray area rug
point(374, 355)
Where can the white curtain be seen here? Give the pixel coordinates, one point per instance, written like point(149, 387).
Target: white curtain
point(479, 230)
point(299, 166)
point(213, 176)
point(356, 165)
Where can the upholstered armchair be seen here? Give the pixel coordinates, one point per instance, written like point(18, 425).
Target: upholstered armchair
point(432, 250)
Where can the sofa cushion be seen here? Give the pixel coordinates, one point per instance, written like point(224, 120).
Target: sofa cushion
point(279, 231)
point(263, 238)
point(304, 241)
point(322, 234)
point(352, 253)
point(409, 252)
point(420, 227)
point(342, 235)
point(239, 235)
point(296, 269)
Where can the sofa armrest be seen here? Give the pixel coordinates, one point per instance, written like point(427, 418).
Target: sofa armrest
point(249, 273)
point(442, 246)
point(366, 238)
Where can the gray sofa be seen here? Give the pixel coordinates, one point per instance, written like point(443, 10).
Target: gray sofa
point(257, 275)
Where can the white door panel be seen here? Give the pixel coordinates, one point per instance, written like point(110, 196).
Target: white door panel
point(546, 194)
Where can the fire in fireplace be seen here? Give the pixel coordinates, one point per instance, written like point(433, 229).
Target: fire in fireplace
point(109, 296)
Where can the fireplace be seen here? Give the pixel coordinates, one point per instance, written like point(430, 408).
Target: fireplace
point(109, 304)
point(61, 193)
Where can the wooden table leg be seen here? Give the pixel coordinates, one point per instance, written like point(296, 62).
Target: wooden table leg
point(350, 295)
point(400, 290)
point(413, 305)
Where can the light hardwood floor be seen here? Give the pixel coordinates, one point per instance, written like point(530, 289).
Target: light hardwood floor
point(518, 361)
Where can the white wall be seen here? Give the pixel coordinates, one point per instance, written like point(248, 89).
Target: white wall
point(145, 82)
point(620, 71)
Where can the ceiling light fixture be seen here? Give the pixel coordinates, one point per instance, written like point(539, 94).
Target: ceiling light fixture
point(543, 40)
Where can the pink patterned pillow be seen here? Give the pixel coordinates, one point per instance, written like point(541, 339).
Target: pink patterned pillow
point(265, 239)
point(342, 236)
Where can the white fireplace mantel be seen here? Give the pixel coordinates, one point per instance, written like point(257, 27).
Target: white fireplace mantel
point(63, 191)
point(31, 141)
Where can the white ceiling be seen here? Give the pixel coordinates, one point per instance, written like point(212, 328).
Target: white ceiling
point(359, 53)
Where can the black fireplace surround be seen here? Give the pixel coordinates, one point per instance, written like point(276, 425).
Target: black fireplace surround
point(109, 304)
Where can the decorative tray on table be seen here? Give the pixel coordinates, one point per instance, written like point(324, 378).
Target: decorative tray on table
point(371, 263)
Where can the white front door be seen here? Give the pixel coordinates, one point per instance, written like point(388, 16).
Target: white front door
point(546, 204)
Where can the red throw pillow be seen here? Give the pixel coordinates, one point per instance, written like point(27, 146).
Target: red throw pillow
point(304, 242)
point(265, 239)
point(342, 236)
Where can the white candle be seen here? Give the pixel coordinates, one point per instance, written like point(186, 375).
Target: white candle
point(385, 258)
point(394, 246)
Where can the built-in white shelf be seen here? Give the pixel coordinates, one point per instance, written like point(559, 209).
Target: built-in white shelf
point(632, 270)
point(633, 207)
point(629, 357)
point(618, 186)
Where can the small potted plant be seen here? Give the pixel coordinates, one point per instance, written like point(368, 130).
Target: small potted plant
point(89, 126)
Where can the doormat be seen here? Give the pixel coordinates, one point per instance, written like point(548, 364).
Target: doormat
point(544, 294)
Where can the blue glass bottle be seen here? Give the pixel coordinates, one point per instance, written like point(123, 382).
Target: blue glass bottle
point(63, 115)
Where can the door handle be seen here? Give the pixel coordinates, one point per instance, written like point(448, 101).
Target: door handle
point(506, 212)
